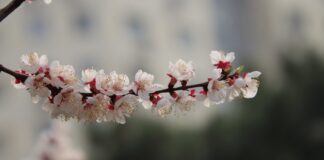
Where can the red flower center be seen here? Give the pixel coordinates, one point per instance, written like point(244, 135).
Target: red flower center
point(18, 81)
point(223, 65)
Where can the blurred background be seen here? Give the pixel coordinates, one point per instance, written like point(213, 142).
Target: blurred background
point(281, 38)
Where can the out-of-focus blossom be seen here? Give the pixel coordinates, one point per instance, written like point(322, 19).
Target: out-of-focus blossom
point(55, 144)
point(45, 1)
point(165, 106)
point(184, 101)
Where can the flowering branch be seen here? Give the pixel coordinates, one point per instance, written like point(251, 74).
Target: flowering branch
point(21, 78)
point(13, 5)
point(111, 97)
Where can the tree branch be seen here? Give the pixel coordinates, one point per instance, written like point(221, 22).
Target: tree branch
point(170, 90)
point(13, 5)
point(21, 77)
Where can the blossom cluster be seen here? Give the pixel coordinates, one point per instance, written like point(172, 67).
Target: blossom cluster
point(100, 96)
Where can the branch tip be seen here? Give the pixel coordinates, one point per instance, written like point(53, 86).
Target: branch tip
point(7, 10)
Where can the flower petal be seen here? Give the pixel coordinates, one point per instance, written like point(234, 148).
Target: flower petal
point(230, 57)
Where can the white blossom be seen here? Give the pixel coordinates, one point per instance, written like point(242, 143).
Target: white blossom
point(62, 75)
point(250, 88)
point(102, 82)
point(89, 79)
point(65, 105)
point(37, 87)
point(246, 86)
point(123, 108)
point(185, 102)
point(234, 89)
point(88, 75)
point(143, 86)
point(119, 84)
point(165, 106)
point(222, 60)
point(112, 84)
point(182, 70)
point(32, 62)
point(47, 1)
point(95, 108)
point(216, 93)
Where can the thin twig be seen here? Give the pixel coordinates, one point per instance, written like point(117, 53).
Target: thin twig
point(7, 10)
